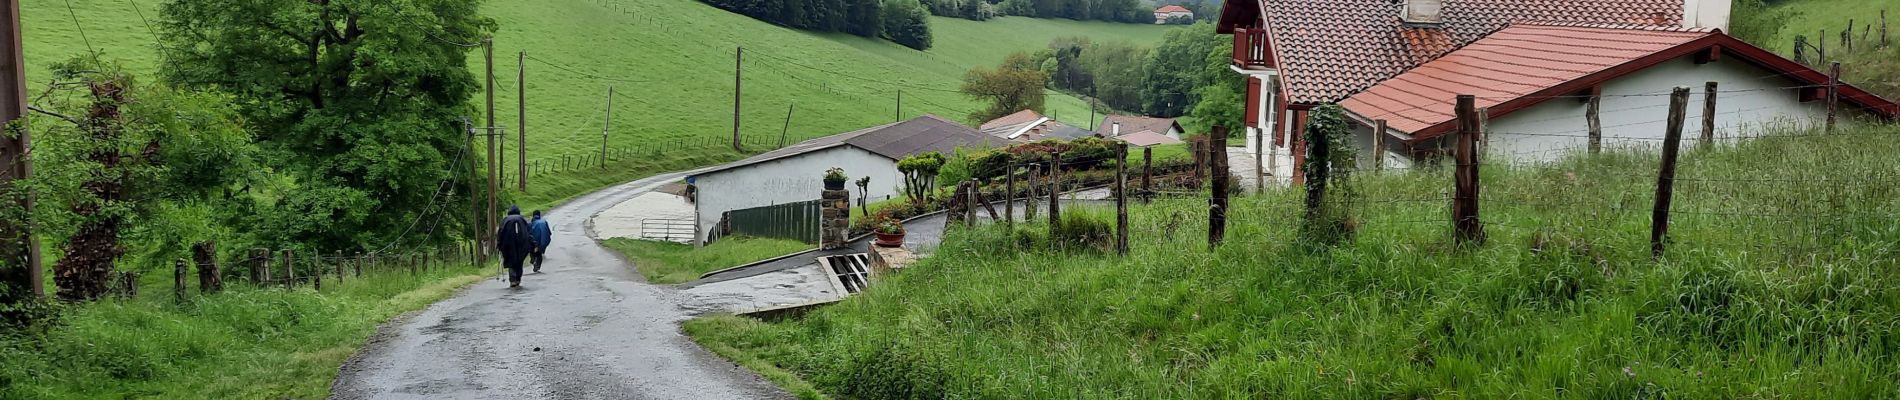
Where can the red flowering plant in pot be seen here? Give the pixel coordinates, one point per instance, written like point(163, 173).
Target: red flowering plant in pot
point(890, 233)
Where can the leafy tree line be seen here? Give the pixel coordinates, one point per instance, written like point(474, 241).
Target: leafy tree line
point(1103, 10)
point(906, 22)
point(1186, 75)
point(322, 126)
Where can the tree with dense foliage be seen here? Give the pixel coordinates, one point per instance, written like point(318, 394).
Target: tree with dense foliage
point(1757, 22)
point(144, 165)
point(864, 18)
point(1220, 95)
point(1330, 162)
point(1173, 69)
point(920, 175)
point(907, 23)
point(359, 104)
point(1014, 86)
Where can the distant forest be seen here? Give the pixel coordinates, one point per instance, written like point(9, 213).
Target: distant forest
point(906, 22)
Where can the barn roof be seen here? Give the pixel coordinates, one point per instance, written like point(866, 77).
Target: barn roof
point(1131, 124)
point(894, 141)
point(1171, 8)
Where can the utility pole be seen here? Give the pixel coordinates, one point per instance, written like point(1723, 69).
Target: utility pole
point(20, 253)
point(521, 125)
point(738, 87)
point(478, 219)
point(900, 106)
point(788, 123)
point(609, 126)
point(488, 61)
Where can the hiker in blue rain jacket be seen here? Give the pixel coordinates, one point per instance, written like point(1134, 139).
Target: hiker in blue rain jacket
point(515, 242)
point(542, 235)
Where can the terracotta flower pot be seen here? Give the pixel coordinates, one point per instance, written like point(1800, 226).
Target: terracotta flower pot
point(890, 239)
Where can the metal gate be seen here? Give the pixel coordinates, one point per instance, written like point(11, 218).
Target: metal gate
point(791, 221)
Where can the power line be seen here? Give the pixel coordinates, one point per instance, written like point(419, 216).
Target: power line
point(82, 29)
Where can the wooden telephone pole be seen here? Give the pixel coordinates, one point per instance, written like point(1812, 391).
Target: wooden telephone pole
point(738, 87)
point(19, 250)
point(488, 62)
point(521, 122)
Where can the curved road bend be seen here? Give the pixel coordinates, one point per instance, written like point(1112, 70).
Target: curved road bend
point(589, 327)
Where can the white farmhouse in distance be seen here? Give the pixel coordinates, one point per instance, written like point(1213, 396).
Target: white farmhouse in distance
point(1167, 12)
point(796, 173)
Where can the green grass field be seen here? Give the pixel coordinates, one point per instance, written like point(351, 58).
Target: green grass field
point(245, 343)
point(664, 262)
point(671, 64)
point(1769, 289)
point(1833, 15)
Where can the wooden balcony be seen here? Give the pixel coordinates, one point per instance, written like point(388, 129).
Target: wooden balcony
point(1251, 50)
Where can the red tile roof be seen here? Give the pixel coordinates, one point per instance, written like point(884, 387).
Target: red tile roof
point(1506, 65)
point(1131, 123)
point(1330, 49)
point(1018, 118)
point(1172, 9)
point(1524, 65)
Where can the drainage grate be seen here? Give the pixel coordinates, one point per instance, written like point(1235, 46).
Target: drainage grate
point(852, 270)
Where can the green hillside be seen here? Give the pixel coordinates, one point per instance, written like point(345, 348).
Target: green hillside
point(1813, 16)
point(670, 63)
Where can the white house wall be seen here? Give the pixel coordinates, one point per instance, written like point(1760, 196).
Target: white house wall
point(1634, 110)
point(787, 180)
point(1276, 160)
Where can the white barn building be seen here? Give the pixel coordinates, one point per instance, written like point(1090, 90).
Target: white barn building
point(796, 173)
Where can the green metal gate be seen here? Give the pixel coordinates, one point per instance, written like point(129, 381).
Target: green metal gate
point(792, 221)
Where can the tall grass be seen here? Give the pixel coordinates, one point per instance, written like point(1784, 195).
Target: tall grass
point(247, 343)
point(1768, 290)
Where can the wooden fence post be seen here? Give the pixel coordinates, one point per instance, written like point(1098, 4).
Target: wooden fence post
point(1467, 226)
point(260, 266)
point(1220, 179)
point(178, 279)
point(1708, 115)
point(210, 277)
point(1259, 162)
point(1009, 195)
point(357, 263)
point(1121, 199)
point(1833, 92)
point(1147, 175)
point(1055, 188)
point(1378, 145)
point(290, 269)
point(976, 194)
point(1590, 113)
point(1029, 198)
point(1666, 179)
point(342, 267)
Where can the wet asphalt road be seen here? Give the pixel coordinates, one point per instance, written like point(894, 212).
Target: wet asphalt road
point(588, 327)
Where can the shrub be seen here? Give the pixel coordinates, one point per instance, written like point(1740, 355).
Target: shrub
point(906, 23)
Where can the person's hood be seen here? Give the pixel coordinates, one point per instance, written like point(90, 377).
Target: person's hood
point(514, 210)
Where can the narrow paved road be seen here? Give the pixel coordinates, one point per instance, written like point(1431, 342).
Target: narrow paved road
point(589, 327)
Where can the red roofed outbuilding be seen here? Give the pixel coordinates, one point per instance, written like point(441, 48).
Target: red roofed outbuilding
point(1534, 66)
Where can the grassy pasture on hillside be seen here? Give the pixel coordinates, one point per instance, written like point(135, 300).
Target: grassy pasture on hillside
point(1777, 283)
point(671, 63)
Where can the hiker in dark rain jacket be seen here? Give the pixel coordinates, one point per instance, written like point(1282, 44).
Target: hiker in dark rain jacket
point(542, 235)
point(515, 240)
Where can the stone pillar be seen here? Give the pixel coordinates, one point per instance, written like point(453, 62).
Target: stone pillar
point(834, 222)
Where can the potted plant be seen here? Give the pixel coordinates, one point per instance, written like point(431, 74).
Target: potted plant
point(834, 179)
point(890, 233)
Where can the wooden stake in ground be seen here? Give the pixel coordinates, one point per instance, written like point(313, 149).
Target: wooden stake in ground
point(342, 267)
point(210, 279)
point(1708, 115)
point(1029, 199)
point(1147, 175)
point(1833, 92)
point(1666, 179)
point(1009, 195)
point(1055, 187)
point(178, 280)
point(290, 270)
point(1590, 114)
point(1221, 178)
point(260, 266)
point(788, 123)
point(1121, 199)
point(1378, 145)
point(1467, 228)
